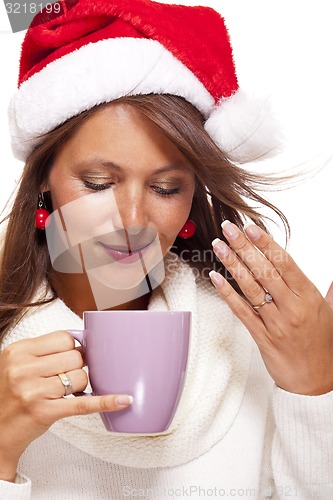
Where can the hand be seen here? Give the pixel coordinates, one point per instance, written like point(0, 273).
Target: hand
point(31, 393)
point(294, 332)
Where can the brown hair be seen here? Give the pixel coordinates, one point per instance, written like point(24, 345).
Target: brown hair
point(223, 191)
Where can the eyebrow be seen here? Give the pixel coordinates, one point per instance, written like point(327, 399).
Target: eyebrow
point(109, 164)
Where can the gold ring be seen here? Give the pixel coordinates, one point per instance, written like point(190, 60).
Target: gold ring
point(66, 382)
point(268, 300)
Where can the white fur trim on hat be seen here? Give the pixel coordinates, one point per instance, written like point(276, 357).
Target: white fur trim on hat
point(244, 127)
point(106, 70)
point(96, 73)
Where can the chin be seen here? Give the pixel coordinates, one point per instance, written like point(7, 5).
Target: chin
point(112, 277)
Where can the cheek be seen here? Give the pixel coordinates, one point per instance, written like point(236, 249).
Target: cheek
point(66, 193)
point(172, 218)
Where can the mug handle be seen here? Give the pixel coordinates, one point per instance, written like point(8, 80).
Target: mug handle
point(79, 335)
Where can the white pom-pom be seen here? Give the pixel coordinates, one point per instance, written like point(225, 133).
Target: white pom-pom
point(245, 129)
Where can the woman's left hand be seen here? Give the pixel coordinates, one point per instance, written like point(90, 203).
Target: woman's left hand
point(294, 331)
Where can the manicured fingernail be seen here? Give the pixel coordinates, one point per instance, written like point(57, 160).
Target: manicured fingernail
point(230, 229)
point(216, 278)
point(253, 232)
point(124, 400)
point(220, 248)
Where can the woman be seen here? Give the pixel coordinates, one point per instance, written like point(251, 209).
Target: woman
point(160, 147)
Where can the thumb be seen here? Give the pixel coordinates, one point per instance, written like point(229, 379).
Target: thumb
point(329, 295)
point(83, 405)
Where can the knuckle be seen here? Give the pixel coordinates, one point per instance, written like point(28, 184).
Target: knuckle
point(82, 407)
point(82, 379)
point(253, 290)
point(286, 265)
point(241, 309)
point(227, 293)
point(67, 340)
point(243, 245)
point(27, 399)
point(239, 273)
point(9, 354)
point(106, 404)
point(15, 374)
point(77, 358)
point(233, 264)
point(266, 247)
point(297, 318)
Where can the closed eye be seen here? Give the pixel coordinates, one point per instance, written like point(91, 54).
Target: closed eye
point(165, 192)
point(98, 187)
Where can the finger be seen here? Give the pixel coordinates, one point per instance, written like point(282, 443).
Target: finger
point(83, 354)
point(50, 343)
point(252, 290)
point(84, 405)
point(54, 388)
point(275, 268)
point(239, 307)
point(34, 389)
point(49, 365)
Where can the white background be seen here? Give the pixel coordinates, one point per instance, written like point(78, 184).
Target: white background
point(282, 48)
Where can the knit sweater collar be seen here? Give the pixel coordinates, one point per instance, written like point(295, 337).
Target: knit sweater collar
point(217, 372)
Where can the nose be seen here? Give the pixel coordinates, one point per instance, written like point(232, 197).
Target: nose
point(131, 217)
point(132, 212)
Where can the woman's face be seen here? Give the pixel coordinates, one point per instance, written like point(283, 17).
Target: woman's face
point(123, 190)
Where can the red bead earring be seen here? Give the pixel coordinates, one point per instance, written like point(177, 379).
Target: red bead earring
point(41, 213)
point(188, 230)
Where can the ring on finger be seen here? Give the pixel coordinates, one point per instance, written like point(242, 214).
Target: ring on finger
point(66, 382)
point(268, 300)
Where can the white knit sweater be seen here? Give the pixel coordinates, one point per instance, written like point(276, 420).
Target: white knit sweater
point(235, 434)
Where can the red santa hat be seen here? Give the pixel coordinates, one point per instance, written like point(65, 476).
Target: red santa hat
point(91, 52)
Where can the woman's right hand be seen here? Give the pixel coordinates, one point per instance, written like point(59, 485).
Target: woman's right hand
point(31, 393)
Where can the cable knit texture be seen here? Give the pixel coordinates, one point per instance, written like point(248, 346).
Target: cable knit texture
point(20, 490)
point(310, 423)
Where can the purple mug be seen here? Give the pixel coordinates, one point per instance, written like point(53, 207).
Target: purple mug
point(140, 353)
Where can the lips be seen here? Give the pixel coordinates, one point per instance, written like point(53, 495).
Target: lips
point(123, 255)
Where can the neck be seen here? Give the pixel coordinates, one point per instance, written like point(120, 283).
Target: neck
point(75, 291)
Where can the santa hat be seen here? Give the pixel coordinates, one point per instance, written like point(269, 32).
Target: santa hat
point(91, 52)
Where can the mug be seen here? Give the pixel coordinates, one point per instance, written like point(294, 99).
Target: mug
point(140, 353)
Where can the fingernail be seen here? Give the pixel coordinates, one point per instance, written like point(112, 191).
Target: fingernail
point(216, 278)
point(220, 248)
point(124, 400)
point(230, 229)
point(253, 232)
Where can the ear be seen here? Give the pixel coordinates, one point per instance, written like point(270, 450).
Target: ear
point(44, 187)
point(329, 296)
